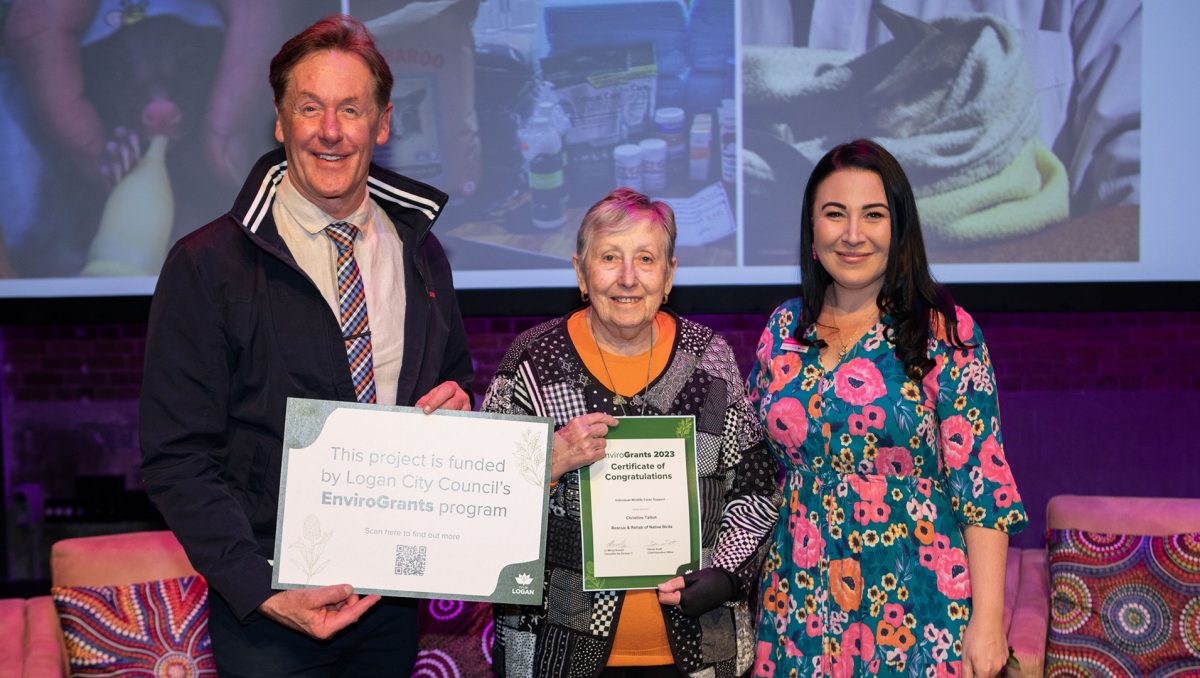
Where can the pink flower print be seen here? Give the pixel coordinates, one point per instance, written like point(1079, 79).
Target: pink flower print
point(924, 486)
point(948, 670)
point(962, 358)
point(788, 425)
point(957, 441)
point(763, 666)
point(1005, 495)
point(873, 667)
point(860, 512)
point(790, 649)
point(995, 466)
point(870, 489)
point(942, 642)
point(857, 425)
point(871, 417)
point(966, 324)
point(813, 626)
point(807, 542)
point(871, 512)
point(893, 613)
point(953, 579)
point(966, 331)
point(763, 351)
point(893, 461)
point(858, 640)
point(929, 556)
point(894, 655)
point(781, 624)
point(930, 633)
point(929, 509)
point(858, 382)
point(940, 653)
point(841, 667)
point(784, 368)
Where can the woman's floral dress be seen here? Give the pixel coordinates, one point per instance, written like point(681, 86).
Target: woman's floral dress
point(868, 571)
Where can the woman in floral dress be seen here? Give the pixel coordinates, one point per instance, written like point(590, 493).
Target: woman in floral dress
point(878, 396)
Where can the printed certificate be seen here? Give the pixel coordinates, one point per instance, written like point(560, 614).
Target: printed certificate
point(640, 505)
point(401, 503)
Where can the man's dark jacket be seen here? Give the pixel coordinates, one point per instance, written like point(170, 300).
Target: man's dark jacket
point(236, 328)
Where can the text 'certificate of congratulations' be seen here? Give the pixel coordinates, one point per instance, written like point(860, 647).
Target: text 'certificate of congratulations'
point(401, 503)
point(640, 505)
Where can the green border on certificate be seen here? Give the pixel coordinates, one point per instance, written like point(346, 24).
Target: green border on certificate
point(640, 505)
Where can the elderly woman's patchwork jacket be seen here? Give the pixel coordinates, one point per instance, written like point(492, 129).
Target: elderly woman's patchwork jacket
point(571, 634)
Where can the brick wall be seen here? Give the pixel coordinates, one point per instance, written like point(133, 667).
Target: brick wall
point(72, 363)
point(1093, 403)
point(1032, 351)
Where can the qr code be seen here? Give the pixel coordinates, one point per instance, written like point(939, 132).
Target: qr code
point(410, 560)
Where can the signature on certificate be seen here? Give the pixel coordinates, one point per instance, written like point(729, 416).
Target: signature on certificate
point(661, 543)
point(616, 544)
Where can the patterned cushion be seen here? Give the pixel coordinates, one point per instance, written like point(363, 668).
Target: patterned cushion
point(157, 628)
point(456, 639)
point(1123, 605)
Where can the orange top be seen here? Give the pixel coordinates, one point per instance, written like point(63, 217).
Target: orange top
point(641, 635)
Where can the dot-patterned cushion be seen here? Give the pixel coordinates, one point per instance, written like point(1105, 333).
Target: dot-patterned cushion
point(1123, 605)
point(156, 628)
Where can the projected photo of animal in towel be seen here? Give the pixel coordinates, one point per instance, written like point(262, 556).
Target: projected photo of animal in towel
point(1019, 129)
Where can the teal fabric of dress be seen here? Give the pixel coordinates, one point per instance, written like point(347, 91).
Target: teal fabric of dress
point(867, 574)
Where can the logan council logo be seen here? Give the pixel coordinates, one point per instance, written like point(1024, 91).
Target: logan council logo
point(523, 582)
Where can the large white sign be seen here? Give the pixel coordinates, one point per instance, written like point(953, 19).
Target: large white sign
point(398, 502)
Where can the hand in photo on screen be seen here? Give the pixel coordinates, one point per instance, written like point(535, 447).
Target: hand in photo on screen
point(100, 79)
point(1015, 121)
point(149, 85)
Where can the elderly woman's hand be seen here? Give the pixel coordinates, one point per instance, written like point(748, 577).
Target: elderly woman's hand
point(698, 592)
point(579, 443)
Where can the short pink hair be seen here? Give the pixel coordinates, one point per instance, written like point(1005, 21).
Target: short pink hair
point(614, 212)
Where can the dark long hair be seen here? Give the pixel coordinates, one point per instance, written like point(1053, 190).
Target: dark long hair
point(909, 295)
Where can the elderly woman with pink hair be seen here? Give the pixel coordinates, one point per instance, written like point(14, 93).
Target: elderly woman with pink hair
point(625, 353)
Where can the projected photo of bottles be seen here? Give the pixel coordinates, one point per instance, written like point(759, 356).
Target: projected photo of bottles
point(1020, 129)
point(529, 111)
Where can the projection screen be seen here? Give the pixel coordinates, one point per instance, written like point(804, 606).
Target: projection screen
point(1020, 125)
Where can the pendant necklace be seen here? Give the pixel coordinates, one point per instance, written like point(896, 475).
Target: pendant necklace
point(618, 399)
point(842, 338)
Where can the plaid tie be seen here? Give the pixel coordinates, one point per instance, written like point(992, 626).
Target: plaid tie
point(352, 302)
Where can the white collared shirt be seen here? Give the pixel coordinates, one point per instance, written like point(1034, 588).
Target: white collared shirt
point(380, 257)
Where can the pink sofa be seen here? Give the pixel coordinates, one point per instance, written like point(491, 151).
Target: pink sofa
point(1027, 589)
point(1027, 609)
point(31, 640)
